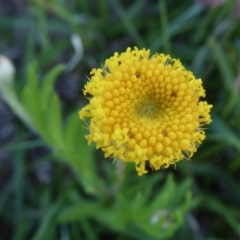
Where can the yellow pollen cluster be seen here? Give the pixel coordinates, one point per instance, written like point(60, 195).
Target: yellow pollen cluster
point(144, 108)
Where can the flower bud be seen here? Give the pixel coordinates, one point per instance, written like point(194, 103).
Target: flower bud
point(7, 72)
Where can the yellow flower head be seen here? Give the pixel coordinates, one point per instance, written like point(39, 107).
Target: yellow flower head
point(145, 108)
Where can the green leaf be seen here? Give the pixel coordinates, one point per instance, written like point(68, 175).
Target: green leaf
point(226, 212)
point(209, 171)
point(47, 86)
point(53, 122)
point(164, 24)
point(31, 98)
point(221, 60)
point(74, 132)
point(79, 155)
point(48, 221)
point(51, 108)
point(186, 19)
point(223, 64)
point(127, 23)
point(222, 133)
point(78, 211)
point(22, 230)
point(164, 199)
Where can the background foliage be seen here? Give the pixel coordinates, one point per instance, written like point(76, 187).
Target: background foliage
point(54, 186)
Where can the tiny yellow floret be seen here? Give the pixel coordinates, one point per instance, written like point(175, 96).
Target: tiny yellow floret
point(145, 109)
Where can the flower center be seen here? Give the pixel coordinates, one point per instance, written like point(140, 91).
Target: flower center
point(148, 109)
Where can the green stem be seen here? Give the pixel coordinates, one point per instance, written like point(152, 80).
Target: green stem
point(9, 95)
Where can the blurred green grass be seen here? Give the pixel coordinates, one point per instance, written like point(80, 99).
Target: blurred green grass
point(206, 189)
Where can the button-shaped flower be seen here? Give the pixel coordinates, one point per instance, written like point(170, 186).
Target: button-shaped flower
point(145, 108)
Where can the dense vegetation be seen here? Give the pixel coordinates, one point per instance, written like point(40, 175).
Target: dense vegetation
point(55, 186)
